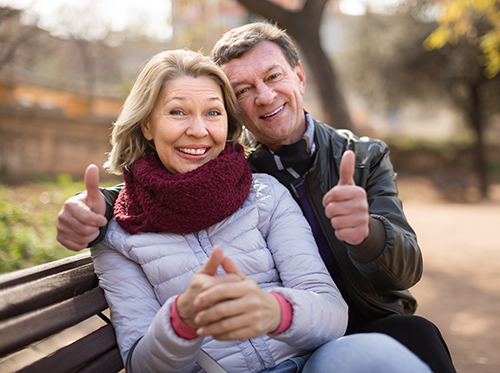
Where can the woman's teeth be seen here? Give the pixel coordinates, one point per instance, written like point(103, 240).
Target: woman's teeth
point(193, 151)
point(273, 113)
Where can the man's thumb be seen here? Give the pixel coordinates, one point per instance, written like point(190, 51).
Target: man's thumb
point(94, 196)
point(346, 170)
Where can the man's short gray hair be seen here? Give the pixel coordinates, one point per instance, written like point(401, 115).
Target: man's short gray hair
point(236, 42)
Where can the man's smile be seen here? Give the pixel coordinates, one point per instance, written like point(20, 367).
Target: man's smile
point(273, 113)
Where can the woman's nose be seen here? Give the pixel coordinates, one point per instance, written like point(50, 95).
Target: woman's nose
point(197, 128)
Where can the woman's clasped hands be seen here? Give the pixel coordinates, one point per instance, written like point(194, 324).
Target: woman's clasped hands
point(228, 306)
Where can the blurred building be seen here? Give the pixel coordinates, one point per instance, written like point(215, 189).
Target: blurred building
point(46, 131)
point(59, 98)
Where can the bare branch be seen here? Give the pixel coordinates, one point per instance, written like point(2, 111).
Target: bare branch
point(266, 9)
point(12, 37)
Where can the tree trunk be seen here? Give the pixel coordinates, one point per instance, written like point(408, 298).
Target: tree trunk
point(332, 98)
point(303, 26)
point(476, 122)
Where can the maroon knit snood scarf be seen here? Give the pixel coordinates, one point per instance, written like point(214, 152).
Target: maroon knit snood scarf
point(154, 200)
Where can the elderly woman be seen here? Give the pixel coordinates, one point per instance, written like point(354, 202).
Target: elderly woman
point(201, 254)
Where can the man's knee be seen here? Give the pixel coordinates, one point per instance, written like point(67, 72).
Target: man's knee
point(370, 352)
point(416, 328)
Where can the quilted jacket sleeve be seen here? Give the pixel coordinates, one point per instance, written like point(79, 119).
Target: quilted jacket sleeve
point(138, 316)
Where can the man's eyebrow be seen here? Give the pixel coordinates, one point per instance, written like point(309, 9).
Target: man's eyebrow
point(267, 71)
point(233, 85)
point(271, 68)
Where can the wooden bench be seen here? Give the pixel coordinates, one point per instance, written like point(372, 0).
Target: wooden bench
point(46, 300)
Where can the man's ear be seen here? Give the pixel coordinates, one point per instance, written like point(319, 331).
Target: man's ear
point(146, 130)
point(301, 76)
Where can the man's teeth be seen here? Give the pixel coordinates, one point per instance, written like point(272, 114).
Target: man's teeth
point(273, 113)
point(193, 151)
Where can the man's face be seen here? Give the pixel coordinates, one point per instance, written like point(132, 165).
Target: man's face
point(269, 94)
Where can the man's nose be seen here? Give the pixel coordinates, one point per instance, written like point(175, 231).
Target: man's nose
point(265, 94)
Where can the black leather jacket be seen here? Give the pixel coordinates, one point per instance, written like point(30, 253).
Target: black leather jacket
point(376, 273)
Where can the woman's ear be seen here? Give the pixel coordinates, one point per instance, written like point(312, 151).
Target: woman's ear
point(146, 131)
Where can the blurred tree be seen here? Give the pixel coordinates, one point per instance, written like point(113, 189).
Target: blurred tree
point(303, 25)
point(74, 60)
point(460, 18)
point(13, 34)
point(84, 27)
point(392, 66)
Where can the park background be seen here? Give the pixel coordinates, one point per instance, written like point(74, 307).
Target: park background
point(420, 75)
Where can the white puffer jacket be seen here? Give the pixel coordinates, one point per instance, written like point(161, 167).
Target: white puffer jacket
point(269, 240)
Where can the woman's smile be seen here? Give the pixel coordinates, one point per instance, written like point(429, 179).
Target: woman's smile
point(192, 151)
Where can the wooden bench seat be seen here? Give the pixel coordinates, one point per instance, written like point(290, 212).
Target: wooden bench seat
point(45, 300)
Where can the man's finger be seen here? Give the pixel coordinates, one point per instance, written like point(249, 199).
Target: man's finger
point(95, 199)
point(347, 168)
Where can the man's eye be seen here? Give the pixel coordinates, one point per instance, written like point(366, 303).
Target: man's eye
point(274, 76)
point(241, 91)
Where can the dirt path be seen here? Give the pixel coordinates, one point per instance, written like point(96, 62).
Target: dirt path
point(460, 288)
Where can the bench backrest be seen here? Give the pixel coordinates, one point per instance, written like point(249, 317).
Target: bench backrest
point(38, 302)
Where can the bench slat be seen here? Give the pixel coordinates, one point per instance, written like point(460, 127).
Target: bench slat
point(49, 290)
point(75, 355)
point(110, 362)
point(43, 270)
point(19, 332)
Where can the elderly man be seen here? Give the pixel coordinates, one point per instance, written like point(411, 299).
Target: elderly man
point(345, 186)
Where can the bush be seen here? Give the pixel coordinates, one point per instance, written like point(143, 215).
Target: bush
point(28, 218)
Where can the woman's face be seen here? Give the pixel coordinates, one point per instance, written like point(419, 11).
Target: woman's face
point(188, 124)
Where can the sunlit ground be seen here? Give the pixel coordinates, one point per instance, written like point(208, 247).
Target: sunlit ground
point(460, 288)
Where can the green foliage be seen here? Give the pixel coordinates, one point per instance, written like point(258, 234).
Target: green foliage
point(28, 218)
point(460, 18)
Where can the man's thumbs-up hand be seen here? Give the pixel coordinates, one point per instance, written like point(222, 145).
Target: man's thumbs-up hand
point(346, 204)
point(95, 199)
point(346, 169)
point(81, 216)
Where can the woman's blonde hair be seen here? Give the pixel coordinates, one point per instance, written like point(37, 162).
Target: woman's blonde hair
point(127, 140)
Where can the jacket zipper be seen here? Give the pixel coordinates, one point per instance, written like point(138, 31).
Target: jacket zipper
point(263, 366)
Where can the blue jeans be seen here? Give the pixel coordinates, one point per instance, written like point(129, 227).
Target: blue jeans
point(357, 353)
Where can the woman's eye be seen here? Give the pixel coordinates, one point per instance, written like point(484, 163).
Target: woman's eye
point(214, 113)
point(175, 112)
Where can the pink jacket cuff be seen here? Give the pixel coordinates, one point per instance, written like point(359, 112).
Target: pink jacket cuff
point(180, 327)
point(286, 314)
